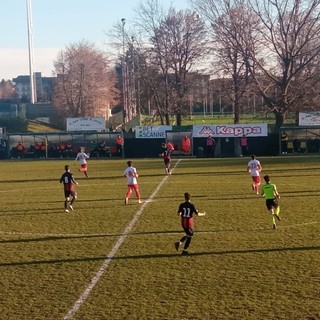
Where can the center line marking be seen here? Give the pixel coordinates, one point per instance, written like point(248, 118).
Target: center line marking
point(110, 256)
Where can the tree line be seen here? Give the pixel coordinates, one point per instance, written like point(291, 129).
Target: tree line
point(167, 59)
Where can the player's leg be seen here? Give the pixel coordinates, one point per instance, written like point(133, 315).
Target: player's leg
point(276, 209)
point(128, 194)
point(66, 201)
point(189, 233)
point(137, 192)
point(270, 207)
point(274, 226)
point(73, 199)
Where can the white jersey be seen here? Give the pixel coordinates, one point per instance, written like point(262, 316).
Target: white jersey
point(82, 157)
point(131, 174)
point(254, 167)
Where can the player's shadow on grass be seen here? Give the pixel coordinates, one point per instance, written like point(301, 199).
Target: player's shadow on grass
point(152, 256)
point(24, 212)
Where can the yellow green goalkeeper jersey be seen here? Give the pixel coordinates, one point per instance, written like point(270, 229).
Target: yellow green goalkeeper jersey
point(269, 190)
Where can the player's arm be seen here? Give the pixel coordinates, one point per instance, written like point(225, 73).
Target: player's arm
point(200, 214)
point(276, 193)
point(73, 180)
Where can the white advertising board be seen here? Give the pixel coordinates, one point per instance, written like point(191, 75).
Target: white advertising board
point(309, 118)
point(86, 124)
point(232, 130)
point(152, 132)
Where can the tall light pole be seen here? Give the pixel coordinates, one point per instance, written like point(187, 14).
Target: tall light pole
point(124, 77)
point(30, 46)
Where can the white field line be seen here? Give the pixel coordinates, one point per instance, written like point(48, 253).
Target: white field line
point(110, 256)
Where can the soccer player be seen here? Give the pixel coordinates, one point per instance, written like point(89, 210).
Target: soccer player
point(166, 156)
point(186, 211)
point(270, 191)
point(82, 157)
point(131, 174)
point(254, 167)
point(69, 192)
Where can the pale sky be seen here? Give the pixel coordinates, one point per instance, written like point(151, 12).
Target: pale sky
point(57, 24)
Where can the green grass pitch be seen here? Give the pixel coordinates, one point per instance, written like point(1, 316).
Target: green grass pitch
point(106, 260)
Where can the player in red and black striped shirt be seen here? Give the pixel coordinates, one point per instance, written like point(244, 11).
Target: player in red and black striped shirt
point(69, 192)
point(186, 211)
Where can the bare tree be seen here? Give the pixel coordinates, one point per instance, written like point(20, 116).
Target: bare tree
point(7, 90)
point(279, 43)
point(177, 40)
point(290, 31)
point(228, 21)
point(85, 82)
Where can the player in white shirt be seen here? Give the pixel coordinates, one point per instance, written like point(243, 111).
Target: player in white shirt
point(82, 157)
point(254, 167)
point(131, 174)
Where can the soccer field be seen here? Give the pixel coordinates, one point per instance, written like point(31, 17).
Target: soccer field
point(108, 260)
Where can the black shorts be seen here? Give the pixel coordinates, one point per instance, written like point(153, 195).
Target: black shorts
point(272, 203)
point(188, 231)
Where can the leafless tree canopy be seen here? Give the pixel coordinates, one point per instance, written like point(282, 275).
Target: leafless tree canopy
point(7, 90)
point(176, 42)
point(84, 81)
point(278, 42)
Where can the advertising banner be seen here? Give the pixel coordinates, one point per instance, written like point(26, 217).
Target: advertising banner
point(152, 132)
point(230, 130)
point(309, 118)
point(86, 124)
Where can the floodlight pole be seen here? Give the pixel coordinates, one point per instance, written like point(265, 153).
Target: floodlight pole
point(30, 46)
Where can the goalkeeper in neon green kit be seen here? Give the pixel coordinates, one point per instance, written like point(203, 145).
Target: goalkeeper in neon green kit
point(270, 191)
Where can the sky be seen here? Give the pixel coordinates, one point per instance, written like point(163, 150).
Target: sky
point(57, 24)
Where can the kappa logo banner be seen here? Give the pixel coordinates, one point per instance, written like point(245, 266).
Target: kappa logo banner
point(235, 130)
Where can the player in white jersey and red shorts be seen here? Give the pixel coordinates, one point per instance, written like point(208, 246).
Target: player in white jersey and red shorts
point(254, 168)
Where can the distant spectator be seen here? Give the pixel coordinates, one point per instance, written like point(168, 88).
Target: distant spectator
point(211, 144)
point(244, 145)
point(62, 150)
point(37, 150)
point(120, 143)
point(296, 145)
point(69, 150)
point(20, 150)
point(186, 145)
point(284, 142)
point(3, 149)
point(43, 149)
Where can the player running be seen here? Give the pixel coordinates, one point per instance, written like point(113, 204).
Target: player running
point(186, 211)
point(254, 167)
point(166, 156)
point(69, 192)
point(131, 174)
point(82, 157)
point(270, 191)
